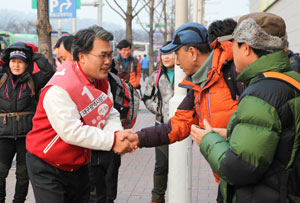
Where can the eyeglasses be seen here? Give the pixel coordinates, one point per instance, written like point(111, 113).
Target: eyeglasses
point(103, 56)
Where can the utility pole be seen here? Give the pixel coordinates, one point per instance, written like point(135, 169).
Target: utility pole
point(180, 153)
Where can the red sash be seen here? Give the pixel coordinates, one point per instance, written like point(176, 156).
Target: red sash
point(93, 104)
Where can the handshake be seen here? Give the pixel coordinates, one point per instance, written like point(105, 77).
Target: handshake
point(126, 141)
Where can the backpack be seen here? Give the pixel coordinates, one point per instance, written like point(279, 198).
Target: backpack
point(229, 74)
point(126, 100)
point(290, 174)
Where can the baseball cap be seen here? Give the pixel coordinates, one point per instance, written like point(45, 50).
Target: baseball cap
point(264, 31)
point(188, 33)
point(18, 54)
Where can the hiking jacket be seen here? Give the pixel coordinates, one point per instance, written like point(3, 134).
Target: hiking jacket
point(158, 94)
point(133, 75)
point(18, 98)
point(213, 102)
point(260, 135)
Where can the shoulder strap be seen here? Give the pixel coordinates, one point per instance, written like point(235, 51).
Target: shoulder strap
point(31, 86)
point(3, 79)
point(229, 78)
point(157, 76)
point(284, 77)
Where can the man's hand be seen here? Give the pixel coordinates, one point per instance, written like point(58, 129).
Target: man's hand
point(123, 145)
point(131, 136)
point(198, 133)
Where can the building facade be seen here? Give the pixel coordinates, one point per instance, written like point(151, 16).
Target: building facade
point(289, 10)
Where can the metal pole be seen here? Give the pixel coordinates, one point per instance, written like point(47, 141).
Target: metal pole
point(59, 29)
point(100, 5)
point(180, 153)
point(73, 26)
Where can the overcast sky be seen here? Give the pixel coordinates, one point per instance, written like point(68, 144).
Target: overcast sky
point(215, 9)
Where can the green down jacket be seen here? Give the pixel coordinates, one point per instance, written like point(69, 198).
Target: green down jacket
point(260, 134)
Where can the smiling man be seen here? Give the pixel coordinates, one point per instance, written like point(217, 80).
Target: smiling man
point(73, 117)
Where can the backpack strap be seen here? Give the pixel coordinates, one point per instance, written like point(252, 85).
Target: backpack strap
point(157, 77)
point(31, 86)
point(3, 79)
point(230, 81)
point(284, 77)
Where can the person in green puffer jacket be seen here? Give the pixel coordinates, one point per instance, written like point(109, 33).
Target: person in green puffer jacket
point(256, 161)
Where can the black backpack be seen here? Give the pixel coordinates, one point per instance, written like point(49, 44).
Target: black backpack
point(126, 100)
point(229, 74)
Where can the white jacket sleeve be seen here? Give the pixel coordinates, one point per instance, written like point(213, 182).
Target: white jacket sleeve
point(64, 117)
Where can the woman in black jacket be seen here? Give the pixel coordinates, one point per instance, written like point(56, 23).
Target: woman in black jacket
point(19, 89)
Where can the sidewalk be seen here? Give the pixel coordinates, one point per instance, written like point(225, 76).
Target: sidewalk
point(135, 174)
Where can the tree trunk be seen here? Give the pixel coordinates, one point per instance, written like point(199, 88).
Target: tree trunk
point(43, 28)
point(129, 21)
point(165, 33)
point(151, 54)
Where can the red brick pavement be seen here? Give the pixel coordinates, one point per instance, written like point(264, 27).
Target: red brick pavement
point(135, 175)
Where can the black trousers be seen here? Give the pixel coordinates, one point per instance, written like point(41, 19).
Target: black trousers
point(104, 170)
point(145, 72)
point(52, 185)
point(8, 148)
point(160, 176)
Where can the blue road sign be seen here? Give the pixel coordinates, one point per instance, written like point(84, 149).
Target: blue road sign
point(62, 8)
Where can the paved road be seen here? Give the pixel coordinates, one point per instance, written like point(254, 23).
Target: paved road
point(135, 175)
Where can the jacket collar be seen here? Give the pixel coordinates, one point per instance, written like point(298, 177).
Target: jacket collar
point(277, 61)
point(201, 75)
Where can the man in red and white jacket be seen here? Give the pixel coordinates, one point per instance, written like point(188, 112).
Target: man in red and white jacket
point(72, 118)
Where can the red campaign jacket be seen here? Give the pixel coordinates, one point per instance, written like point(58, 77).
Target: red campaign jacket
point(42, 137)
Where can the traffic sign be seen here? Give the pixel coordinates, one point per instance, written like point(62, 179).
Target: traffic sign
point(62, 8)
point(34, 4)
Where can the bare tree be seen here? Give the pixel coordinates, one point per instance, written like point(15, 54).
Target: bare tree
point(127, 15)
point(43, 28)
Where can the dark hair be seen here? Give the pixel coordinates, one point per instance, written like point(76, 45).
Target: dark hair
point(84, 39)
point(258, 52)
point(67, 42)
point(203, 48)
point(220, 28)
point(124, 44)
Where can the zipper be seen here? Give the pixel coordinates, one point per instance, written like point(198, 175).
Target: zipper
point(48, 147)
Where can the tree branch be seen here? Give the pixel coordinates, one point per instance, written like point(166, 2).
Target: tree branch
point(141, 24)
point(140, 9)
point(117, 10)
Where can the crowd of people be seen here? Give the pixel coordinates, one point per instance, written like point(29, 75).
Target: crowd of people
point(242, 107)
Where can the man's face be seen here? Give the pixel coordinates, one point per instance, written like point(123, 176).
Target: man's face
point(96, 64)
point(240, 56)
point(63, 55)
point(125, 52)
point(185, 61)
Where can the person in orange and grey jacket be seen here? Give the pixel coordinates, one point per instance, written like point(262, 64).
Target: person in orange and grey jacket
point(158, 92)
point(208, 97)
point(126, 66)
point(19, 89)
